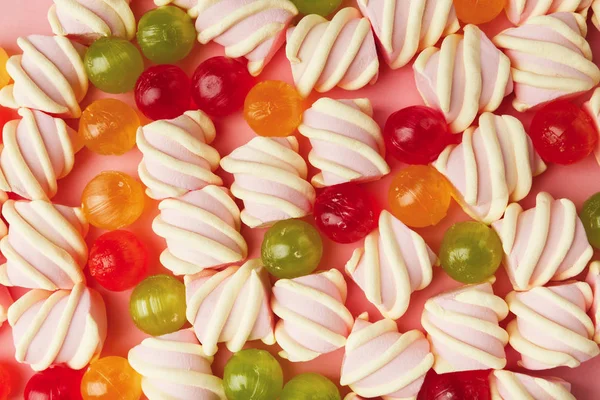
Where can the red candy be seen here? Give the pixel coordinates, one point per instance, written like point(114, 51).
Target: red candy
point(6, 114)
point(58, 383)
point(472, 385)
point(118, 260)
point(563, 133)
point(345, 213)
point(163, 92)
point(417, 134)
point(5, 382)
point(220, 85)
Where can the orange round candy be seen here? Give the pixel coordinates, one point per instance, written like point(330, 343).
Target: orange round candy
point(4, 77)
point(111, 378)
point(419, 196)
point(113, 200)
point(273, 108)
point(478, 11)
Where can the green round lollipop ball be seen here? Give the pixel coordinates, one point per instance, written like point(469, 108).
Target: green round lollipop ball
point(166, 35)
point(310, 387)
point(471, 252)
point(291, 248)
point(321, 7)
point(113, 65)
point(590, 217)
point(157, 305)
point(253, 375)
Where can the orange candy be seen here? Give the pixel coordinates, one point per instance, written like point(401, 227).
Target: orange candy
point(113, 200)
point(419, 196)
point(273, 108)
point(111, 378)
point(4, 77)
point(478, 11)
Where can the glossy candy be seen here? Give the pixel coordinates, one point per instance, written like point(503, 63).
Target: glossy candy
point(163, 92)
point(5, 382)
point(310, 386)
point(253, 374)
point(118, 260)
point(113, 65)
point(563, 133)
point(419, 196)
point(4, 77)
point(590, 217)
point(321, 7)
point(471, 252)
point(291, 248)
point(157, 305)
point(112, 200)
point(273, 108)
point(111, 378)
point(56, 383)
point(6, 114)
point(478, 11)
point(472, 385)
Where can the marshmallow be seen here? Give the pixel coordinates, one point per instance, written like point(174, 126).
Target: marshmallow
point(593, 279)
point(592, 107)
point(507, 385)
point(188, 5)
point(353, 396)
point(5, 302)
point(520, 11)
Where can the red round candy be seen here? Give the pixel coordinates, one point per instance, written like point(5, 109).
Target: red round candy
point(6, 114)
point(417, 134)
point(118, 260)
point(563, 133)
point(163, 92)
point(220, 85)
point(57, 383)
point(5, 382)
point(345, 213)
point(472, 385)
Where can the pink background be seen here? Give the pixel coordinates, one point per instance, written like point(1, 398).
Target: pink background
point(395, 90)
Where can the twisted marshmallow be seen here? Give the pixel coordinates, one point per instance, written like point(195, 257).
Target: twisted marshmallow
point(188, 5)
point(270, 178)
point(462, 326)
point(465, 76)
point(407, 27)
point(325, 54)
point(45, 246)
point(380, 361)
point(174, 366)
point(593, 279)
point(547, 242)
point(178, 157)
point(494, 165)
point(5, 303)
point(394, 262)
point(49, 76)
point(592, 107)
point(254, 29)
point(231, 306)
point(520, 11)
point(347, 144)
point(552, 328)
point(62, 327)
point(550, 59)
point(507, 385)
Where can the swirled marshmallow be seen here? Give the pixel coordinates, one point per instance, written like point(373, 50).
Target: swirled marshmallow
point(177, 154)
point(552, 328)
point(188, 5)
point(520, 11)
point(394, 262)
point(353, 396)
point(507, 385)
point(49, 76)
point(254, 29)
point(462, 326)
point(592, 107)
point(467, 75)
point(494, 165)
point(325, 54)
point(347, 144)
point(5, 302)
point(231, 306)
point(62, 327)
point(380, 361)
point(545, 243)
point(174, 366)
point(407, 27)
point(270, 178)
point(593, 279)
point(550, 59)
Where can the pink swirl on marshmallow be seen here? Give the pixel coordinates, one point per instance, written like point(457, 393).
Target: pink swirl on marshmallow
point(593, 279)
point(507, 385)
point(592, 107)
point(5, 302)
point(188, 5)
point(520, 11)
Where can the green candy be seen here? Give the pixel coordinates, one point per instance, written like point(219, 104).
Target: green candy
point(321, 7)
point(253, 375)
point(310, 387)
point(590, 216)
point(291, 248)
point(113, 65)
point(471, 252)
point(157, 305)
point(166, 35)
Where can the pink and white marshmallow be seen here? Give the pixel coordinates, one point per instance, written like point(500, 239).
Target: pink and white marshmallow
point(462, 326)
point(545, 243)
point(507, 385)
point(520, 11)
point(464, 77)
point(347, 145)
point(270, 178)
point(494, 165)
point(45, 246)
point(404, 28)
point(592, 107)
point(380, 361)
point(62, 327)
point(550, 59)
point(49, 76)
point(178, 157)
point(254, 29)
point(593, 279)
point(5, 302)
point(552, 328)
point(174, 366)
point(394, 262)
point(231, 306)
point(188, 5)
point(313, 317)
point(325, 54)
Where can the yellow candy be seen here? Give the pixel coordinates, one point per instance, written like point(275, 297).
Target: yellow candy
point(4, 77)
point(111, 378)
